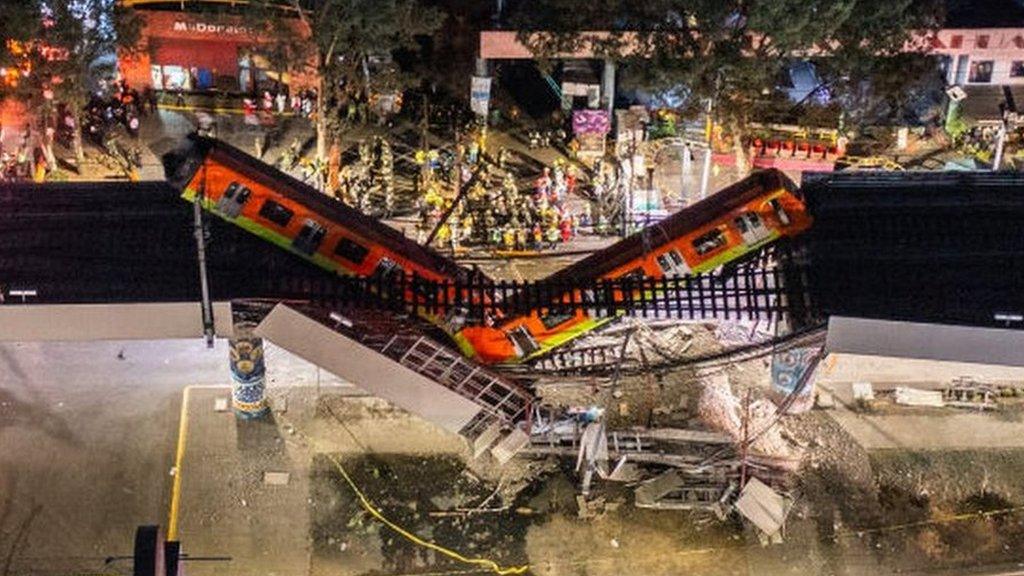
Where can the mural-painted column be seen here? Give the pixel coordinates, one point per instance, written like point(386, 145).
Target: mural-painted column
point(248, 371)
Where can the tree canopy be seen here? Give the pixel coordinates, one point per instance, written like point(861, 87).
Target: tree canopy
point(735, 51)
point(61, 47)
point(355, 42)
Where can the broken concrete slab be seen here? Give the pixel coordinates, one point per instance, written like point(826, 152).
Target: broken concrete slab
point(913, 397)
point(509, 446)
point(276, 478)
point(764, 508)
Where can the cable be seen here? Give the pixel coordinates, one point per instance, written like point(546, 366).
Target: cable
point(485, 563)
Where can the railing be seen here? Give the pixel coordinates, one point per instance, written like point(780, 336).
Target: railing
point(498, 396)
point(749, 293)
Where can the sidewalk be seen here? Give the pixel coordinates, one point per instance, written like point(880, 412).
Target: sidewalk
point(230, 508)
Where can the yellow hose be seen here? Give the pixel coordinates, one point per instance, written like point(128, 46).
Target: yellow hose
point(484, 562)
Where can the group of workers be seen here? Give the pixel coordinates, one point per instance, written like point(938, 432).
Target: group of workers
point(495, 212)
point(374, 173)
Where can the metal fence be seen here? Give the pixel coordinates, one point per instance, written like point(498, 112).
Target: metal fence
point(746, 293)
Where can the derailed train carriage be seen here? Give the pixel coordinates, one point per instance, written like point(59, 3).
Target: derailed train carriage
point(729, 226)
point(722, 229)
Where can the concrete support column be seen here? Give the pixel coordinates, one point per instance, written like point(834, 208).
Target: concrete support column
point(608, 86)
point(248, 373)
point(481, 67)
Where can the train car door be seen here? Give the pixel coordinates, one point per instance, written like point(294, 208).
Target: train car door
point(751, 228)
point(672, 264)
point(231, 202)
point(309, 238)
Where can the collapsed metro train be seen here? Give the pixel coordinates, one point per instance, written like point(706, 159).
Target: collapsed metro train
point(296, 217)
point(726, 227)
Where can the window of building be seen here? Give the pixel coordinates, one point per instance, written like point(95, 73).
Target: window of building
point(709, 242)
point(981, 72)
point(276, 213)
point(351, 250)
point(1017, 69)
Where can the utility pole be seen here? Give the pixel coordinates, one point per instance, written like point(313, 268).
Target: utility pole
point(425, 124)
point(1000, 141)
point(705, 175)
point(204, 283)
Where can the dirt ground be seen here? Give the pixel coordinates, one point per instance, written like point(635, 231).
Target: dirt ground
point(858, 512)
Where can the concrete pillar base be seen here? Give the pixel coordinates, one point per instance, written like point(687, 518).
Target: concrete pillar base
point(248, 373)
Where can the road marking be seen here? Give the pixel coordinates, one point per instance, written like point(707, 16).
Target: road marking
point(172, 516)
point(179, 456)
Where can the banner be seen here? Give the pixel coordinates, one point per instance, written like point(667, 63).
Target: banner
point(591, 122)
point(788, 369)
point(480, 95)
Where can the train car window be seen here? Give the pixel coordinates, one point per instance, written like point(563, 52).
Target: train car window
point(709, 242)
point(232, 188)
point(554, 320)
point(351, 250)
point(387, 269)
point(309, 238)
point(276, 213)
point(741, 223)
point(672, 264)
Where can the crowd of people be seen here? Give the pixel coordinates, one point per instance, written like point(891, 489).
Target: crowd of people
point(104, 120)
point(374, 173)
point(277, 100)
point(497, 211)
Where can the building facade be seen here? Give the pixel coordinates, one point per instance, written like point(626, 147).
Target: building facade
point(182, 51)
point(981, 56)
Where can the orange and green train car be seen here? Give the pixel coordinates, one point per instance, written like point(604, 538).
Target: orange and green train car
point(730, 225)
point(296, 217)
point(267, 202)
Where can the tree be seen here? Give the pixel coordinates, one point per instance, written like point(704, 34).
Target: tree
point(732, 52)
point(355, 42)
point(70, 45)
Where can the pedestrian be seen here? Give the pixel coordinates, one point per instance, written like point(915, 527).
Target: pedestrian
point(553, 235)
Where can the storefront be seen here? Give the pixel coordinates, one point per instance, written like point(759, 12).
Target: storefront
point(200, 52)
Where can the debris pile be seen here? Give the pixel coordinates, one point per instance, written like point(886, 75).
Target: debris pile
point(722, 411)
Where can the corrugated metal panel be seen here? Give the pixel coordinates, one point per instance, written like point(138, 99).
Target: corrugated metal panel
point(366, 368)
point(55, 322)
point(925, 341)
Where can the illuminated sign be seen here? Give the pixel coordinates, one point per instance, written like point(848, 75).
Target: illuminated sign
point(204, 28)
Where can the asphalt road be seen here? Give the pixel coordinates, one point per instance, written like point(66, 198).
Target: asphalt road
point(87, 442)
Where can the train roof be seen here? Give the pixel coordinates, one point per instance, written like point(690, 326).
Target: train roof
point(676, 225)
point(180, 170)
